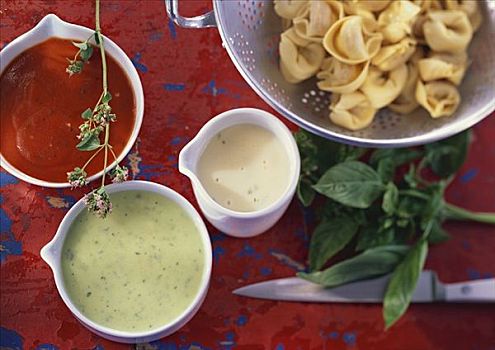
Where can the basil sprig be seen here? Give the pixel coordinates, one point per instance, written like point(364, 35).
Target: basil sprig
point(379, 203)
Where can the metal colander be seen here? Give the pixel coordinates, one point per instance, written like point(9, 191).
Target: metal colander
point(250, 30)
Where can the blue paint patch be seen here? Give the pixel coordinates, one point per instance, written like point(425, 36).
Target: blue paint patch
point(265, 271)
point(249, 251)
point(280, 346)
point(8, 243)
point(148, 171)
point(176, 141)
point(136, 62)
point(46, 347)
point(474, 274)
point(308, 214)
point(10, 339)
point(349, 338)
point(171, 28)
point(174, 87)
point(241, 320)
point(469, 175)
point(229, 342)
point(218, 251)
point(99, 347)
point(466, 245)
point(217, 237)
point(213, 90)
point(299, 233)
point(156, 36)
point(333, 335)
point(7, 179)
point(9, 248)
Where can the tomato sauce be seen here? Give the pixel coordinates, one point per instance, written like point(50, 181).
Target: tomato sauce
point(41, 106)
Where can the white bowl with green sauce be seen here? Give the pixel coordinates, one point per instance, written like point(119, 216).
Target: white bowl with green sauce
point(141, 273)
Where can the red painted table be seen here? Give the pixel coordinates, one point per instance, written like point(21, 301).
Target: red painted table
point(188, 78)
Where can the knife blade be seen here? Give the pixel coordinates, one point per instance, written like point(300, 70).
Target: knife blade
point(428, 289)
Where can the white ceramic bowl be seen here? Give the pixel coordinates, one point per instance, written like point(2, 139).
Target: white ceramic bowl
point(52, 26)
point(234, 223)
point(52, 252)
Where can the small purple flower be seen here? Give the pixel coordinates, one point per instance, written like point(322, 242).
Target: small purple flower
point(120, 174)
point(77, 178)
point(98, 202)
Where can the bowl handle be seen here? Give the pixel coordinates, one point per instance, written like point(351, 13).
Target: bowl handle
point(203, 21)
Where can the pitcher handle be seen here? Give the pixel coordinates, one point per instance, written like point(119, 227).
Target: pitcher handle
point(203, 21)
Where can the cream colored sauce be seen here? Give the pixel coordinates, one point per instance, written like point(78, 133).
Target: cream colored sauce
point(244, 168)
point(139, 268)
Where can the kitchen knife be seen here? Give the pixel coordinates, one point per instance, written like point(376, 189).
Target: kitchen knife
point(429, 289)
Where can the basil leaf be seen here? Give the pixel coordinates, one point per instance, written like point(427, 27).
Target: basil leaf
point(319, 154)
point(351, 183)
point(373, 236)
point(328, 238)
point(447, 156)
point(107, 97)
point(399, 156)
point(409, 206)
point(437, 234)
point(410, 177)
point(390, 199)
point(386, 169)
point(403, 283)
point(371, 263)
point(88, 113)
point(89, 143)
point(305, 192)
point(86, 54)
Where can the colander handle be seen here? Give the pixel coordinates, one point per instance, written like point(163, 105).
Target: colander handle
point(203, 21)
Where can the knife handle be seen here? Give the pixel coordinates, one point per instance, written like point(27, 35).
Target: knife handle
point(481, 291)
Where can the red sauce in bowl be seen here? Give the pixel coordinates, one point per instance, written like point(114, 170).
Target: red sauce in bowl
point(41, 106)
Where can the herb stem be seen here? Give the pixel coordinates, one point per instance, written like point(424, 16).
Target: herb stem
point(413, 193)
point(92, 157)
point(102, 50)
point(107, 136)
point(113, 153)
point(454, 212)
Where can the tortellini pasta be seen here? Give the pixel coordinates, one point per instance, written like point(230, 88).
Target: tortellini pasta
point(288, 9)
point(443, 66)
point(372, 54)
point(447, 31)
point(471, 8)
point(341, 77)
point(364, 7)
point(381, 87)
point(426, 5)
point(299, 58)
point(353, 39)
point(439, 98)
point(352, 111)
point(397, 20)
point(316, 17)
point(391, 56)
point(406, 102)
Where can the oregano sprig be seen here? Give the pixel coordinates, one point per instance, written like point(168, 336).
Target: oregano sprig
point(96, 121)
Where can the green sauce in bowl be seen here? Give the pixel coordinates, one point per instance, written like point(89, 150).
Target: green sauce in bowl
point(139, 268)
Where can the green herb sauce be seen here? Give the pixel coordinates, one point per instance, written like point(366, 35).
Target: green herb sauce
point(137, 269)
